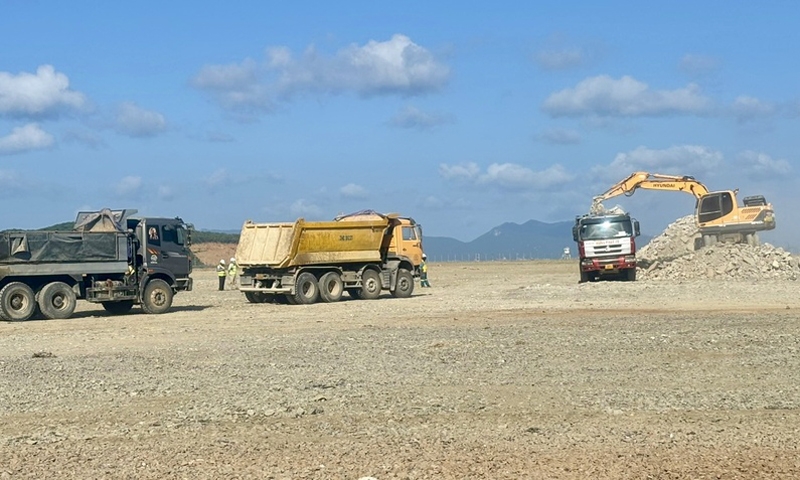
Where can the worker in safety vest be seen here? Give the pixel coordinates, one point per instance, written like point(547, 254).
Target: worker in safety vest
point(423, 272)
point(232, 268)
point(222, 271)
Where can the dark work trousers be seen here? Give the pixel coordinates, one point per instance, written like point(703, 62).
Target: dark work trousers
point(221, 283)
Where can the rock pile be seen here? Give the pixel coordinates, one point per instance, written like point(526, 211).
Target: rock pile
point(671, 256)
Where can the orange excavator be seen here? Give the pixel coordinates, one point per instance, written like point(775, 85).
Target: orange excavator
point(718, 215)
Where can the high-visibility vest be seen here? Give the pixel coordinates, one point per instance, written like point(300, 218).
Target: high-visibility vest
point(221, 270)
point(232, 269)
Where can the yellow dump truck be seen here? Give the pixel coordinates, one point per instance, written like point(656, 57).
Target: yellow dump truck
point(305, 262)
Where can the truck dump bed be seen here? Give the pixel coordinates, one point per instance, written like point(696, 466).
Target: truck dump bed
point(284, 245)
point(35, 247)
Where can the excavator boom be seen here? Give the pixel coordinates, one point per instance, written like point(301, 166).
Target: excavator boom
point(650, 181)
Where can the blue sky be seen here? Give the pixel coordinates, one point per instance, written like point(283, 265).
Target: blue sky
point(462, 116)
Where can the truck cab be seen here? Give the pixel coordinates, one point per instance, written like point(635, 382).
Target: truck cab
point(606, 246)
point(163, 249)
point(407, 241)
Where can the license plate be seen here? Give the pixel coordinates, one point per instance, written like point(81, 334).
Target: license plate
point(609, 267)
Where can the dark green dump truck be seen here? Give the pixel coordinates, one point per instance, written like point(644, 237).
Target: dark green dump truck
point(111, 257)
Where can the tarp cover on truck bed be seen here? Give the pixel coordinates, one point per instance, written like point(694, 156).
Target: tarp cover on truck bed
point(60, 247)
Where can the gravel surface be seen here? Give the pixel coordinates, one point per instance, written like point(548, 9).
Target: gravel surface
point(501, 370)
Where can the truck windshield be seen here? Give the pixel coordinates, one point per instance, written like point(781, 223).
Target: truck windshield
point(182, 235)
point(604, 230)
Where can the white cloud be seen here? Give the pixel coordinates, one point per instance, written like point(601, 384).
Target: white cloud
point(85, 137)
point(696, 64)
point(507, 176)
point(219, 137)
point(559, 136)
point(235, 87)
point(411, 117)
point(397, 66)
point(218, 179)
point(460, 172)
point(625, 97)
point(432, 202)
point(762, 166)
point(42, 94)
point(746, 108)
point(558, 52)
point(136, 121)
point(304, 208)
point(513, 176)
point(165, 193)
point(676, 160)
point(129, 186)
point(26, 138)
point(353, 191)
point(560, 59)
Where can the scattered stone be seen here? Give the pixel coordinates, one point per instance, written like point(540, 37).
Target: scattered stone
point(43, 354)
point(671, 256)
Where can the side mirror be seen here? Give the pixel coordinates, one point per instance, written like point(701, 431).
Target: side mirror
point(636, 228)
point(575, 233)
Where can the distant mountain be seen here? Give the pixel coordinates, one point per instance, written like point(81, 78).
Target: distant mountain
point(510, 241)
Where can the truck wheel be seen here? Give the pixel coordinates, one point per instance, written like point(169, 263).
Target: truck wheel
point(285, 299)
point(584, 277)
point(331, 287)
point(405, 284)
point(17, 302)
point(57, 300)
point(370, 285)
point(256, 297)
point(306, 289)
point(118, 308)
point(157, 297)
point(630, 275)
point(355, 293)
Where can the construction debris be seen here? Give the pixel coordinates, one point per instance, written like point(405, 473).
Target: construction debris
point(672, 256)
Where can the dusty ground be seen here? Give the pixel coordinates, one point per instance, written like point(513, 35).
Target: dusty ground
point(211, 253)
point(501, 370)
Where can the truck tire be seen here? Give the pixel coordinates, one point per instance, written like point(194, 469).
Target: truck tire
point(306, 289)
point(405, 284)
point(286, 299)
point(57, 300)
point(118, 308)
point(630, 275)
point(370, 285)
point(331, 287)
point(584, 276)
point(157, 297)
point(256, 297)
point(17, 302)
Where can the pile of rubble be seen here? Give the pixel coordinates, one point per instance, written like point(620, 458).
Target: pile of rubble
point(672, 256)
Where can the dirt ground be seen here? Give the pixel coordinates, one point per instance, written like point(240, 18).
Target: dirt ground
point(500, 370)
point(211, 253)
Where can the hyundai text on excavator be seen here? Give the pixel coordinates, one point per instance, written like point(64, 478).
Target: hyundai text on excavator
point(718, 215)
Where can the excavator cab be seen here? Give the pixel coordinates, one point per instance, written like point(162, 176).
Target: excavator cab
point(714, 206)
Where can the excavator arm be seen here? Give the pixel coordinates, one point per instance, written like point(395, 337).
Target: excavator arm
point(650, 181)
